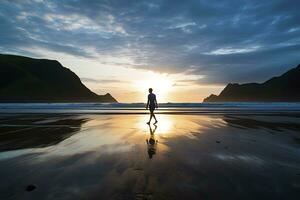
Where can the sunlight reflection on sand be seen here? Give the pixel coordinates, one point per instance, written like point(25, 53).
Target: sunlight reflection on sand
point(120, 155)
point(107, 134)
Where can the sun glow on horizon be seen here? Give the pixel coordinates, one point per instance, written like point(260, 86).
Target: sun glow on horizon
point(162, 86)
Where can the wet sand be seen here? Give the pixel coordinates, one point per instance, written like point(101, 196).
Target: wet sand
point(82, 156)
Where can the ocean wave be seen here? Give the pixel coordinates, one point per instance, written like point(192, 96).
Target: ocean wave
point(140, 107)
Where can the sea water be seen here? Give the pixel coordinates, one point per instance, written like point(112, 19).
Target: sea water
point(139, 108)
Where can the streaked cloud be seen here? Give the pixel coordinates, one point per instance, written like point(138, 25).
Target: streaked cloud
point(104, 81)
point(225, 51)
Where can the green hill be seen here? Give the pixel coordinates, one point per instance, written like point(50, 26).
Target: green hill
point(26, 79)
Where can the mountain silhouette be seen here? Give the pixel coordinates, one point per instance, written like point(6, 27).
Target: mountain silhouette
point(26, 79)
point(284, 88)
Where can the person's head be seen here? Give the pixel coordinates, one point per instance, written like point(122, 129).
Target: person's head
point(150, 90)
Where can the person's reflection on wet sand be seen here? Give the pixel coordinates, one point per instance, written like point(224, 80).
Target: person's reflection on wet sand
point(151, 142)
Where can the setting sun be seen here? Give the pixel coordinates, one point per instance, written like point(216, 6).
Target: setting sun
point(161, 85)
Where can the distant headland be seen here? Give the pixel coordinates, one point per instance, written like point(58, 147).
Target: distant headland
point(28, 80)
point(284, 88)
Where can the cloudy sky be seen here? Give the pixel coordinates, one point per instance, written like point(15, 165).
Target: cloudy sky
point(185, 50)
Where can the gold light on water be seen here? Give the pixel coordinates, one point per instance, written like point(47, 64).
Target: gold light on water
point(164, 126)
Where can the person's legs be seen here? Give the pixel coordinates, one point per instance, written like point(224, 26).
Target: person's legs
point(151, 114)
point(154, 118)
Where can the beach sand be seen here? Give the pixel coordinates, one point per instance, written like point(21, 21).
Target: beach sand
point(49, 156)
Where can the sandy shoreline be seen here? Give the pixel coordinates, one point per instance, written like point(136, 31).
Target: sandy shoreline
point(86, 156)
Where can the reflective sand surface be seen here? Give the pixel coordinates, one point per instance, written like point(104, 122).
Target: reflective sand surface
point(121, 157)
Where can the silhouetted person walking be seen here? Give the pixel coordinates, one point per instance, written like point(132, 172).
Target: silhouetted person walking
point(151, 104)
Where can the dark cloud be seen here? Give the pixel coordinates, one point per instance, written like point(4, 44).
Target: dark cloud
point(225, 41)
